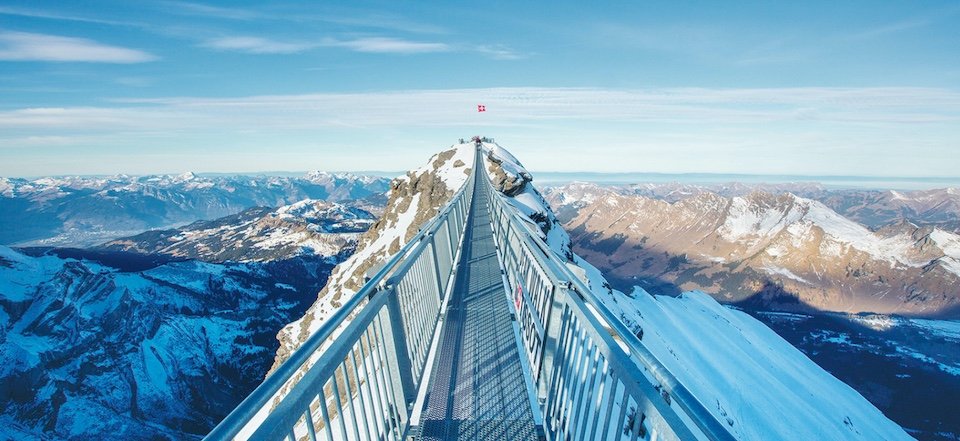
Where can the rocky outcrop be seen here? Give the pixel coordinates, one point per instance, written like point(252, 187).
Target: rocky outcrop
point(413, 200)
point(508, 182)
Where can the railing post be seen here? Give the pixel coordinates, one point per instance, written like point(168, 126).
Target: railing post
point(400, 350)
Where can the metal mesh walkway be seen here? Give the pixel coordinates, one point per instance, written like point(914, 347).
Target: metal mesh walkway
point(477, 386)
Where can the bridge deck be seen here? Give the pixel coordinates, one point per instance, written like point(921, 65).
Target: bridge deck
point(477, 386)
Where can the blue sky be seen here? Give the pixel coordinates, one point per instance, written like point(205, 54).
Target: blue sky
point(815, 88)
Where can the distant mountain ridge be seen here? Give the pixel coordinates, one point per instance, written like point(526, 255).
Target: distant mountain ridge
point(308, 227)
point(84, 211)
point(873, 208)
point(780, 250)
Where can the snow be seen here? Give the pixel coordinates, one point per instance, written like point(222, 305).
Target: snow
point(742, 371)
point(449, 172)
point(876, 322)
point(786, 273)
point(766, 386)
point(455, 177)
point(785, 316)
point(944, 328)
point(752, 220)
point(949, 243)
point(910, 352)
point(850, 233)
point(18, 282)
point(6, 188)
point(744, 222)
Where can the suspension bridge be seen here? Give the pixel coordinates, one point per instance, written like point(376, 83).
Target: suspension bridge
point(474, 330)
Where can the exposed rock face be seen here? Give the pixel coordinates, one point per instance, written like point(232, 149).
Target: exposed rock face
point(413, 200)
point(509, 182)
point(780, 250)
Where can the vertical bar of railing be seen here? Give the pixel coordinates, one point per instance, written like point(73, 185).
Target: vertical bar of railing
point(373, 382)
point(363, 403)
point(308, 419)
point(392, 376)
point(342, 419)
point(322, 397)
point(350, 403)
point(587, 399)
point(401, 352)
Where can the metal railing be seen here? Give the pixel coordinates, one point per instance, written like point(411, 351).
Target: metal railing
point(594, 378)
point(356, 377)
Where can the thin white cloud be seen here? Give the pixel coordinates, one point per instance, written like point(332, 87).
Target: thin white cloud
point(511, 107)
point(364, 19)
point(385, 45)
point(378, 45)
point(923, 20)
point(905, 131)
point(33, 13)
point(499, 52)
point(25, 46)
point(201, 10)
point(256, 45)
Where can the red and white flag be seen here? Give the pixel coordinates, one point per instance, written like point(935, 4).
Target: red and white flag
point(481, 108)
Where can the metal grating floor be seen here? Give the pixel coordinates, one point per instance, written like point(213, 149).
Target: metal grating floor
point(477, 387)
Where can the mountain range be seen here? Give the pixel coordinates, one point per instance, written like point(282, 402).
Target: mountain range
point(871, 207)
point(309, 227)
point(85, 211)
point(159, 335)
point(772, 250)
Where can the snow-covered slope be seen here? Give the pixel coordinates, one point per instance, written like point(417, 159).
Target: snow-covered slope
point(309, 227)
point(743, 372)
point(91, 351)
point(413, 200)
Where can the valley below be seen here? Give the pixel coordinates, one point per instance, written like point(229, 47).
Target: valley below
point(908, 368)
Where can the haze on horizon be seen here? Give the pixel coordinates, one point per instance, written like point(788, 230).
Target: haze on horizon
point(818, 88)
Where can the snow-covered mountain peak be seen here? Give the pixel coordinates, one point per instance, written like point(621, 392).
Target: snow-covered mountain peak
point(185, 176)
point(413, 200)
point(578, 192)
point(310, 209)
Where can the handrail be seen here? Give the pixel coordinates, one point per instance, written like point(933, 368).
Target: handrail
point(396, 266)
point(511, 226)
point(594, 377)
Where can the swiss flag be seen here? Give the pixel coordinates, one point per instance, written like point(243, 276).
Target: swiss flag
point(481, 108)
